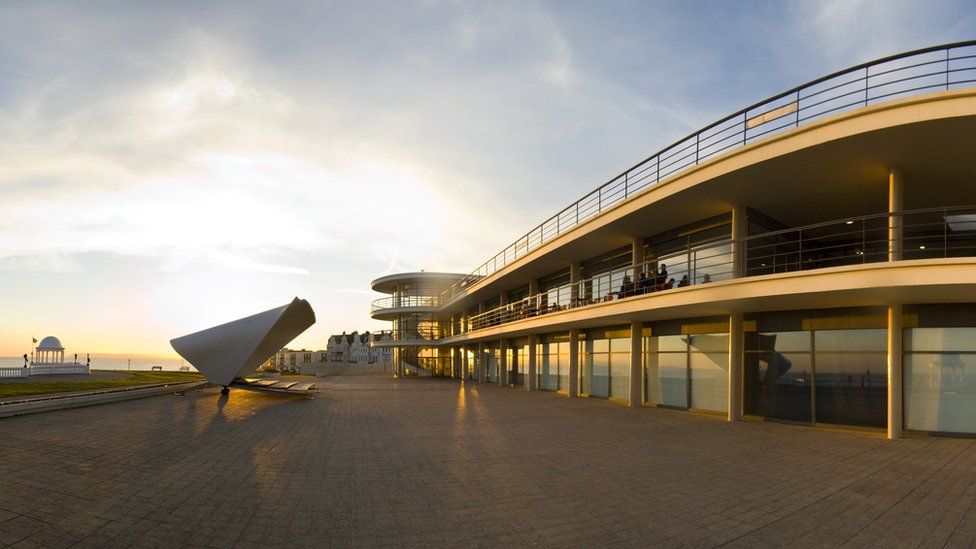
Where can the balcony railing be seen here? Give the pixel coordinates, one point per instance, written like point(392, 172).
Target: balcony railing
point(396, 302)
point(911, 73)
point(927, 233)
point(406, 336)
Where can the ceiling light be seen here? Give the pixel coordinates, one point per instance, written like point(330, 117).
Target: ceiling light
point(922, 247)
point(850, 222)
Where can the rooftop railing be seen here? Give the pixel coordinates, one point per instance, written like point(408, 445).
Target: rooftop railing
point(926, 233)
point(935, 68)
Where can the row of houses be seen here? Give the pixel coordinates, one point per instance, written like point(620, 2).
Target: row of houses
point(349, 348)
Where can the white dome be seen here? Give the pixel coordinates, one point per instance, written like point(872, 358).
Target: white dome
point(50, 343)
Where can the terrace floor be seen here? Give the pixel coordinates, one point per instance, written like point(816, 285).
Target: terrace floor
point(373, 461)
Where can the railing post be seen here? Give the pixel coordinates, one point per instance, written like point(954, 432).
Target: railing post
point(947, 69)
point(797, 101)
point(626, 183)
point(697, 146)
point(799, 240)
point(745, 127)
point(865, 86)
point(864, 240)
point(945, 233)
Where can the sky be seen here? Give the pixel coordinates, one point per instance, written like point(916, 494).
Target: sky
point(169, 166)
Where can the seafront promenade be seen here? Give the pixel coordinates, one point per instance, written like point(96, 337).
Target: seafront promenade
point(373, 461)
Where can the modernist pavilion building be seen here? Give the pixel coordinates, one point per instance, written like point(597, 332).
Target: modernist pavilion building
point(820, 258)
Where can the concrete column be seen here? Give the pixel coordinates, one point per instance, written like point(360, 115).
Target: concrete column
point(533, 286)
point(895, 204)
point(894, 371)
point(479, 364)
point(736, 357)
point(740, 229)
point(636, 365)
point(574, 363)
point(574, 277)
point(502, 362)
point(457, 363)
point(531, 384)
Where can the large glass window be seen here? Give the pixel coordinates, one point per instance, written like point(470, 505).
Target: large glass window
point(553, 362)
point(831, 371)
point(605, 362)
point(687, 370)
point(666, 371)
point(708, 362)
point(778, 375)
point(491, 363)
point(518, 362)
point(940, 379)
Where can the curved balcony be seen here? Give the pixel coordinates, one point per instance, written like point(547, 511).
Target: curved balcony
point(402, 338)
point(916, 72)
point(921, 234)
point(385, 308)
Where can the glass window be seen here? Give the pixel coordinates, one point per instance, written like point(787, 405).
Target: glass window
point(851, 340)
point(661, 344)
point(781, 342)
point(620, 374)
point(709, 381)
point(667, 378)
point(851, 388)
point(779, 385)
point(940, 339)
point(940, 391)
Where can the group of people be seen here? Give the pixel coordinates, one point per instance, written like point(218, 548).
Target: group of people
point(645, 284)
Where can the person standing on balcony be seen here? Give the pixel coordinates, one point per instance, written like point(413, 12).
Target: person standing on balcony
point(626, 288)
point(662, 277)
point(644, 285)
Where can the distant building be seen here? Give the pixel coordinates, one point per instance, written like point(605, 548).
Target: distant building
point(292, 359)
point(355, 348)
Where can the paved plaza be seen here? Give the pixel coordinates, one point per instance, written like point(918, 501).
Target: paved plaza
point(372, 461)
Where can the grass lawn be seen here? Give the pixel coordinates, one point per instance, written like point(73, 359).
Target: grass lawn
point(11, 389)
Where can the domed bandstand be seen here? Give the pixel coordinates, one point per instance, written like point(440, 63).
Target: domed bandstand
point(49, 352)
point(48, 359)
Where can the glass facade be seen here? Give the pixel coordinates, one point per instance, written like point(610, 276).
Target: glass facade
point(818, 366)
point(490, 361)
point(684, 369)
point(605, 362)
point(517, 357)
point(553, 362)
point(940, 368)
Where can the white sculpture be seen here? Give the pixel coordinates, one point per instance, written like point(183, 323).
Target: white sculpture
point(236, 349)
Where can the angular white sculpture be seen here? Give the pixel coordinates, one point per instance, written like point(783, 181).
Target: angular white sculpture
point(236, 349)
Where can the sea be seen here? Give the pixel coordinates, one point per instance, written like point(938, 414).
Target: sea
point(142, 364)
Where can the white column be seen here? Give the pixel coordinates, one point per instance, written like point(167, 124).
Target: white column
point(636, 365)
point(531, 384)
point(736, 352)
point(895, 204)
point(574, 363)
point(740, 229)
point(894, 371)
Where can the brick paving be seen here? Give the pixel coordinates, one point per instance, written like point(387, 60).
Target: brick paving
point(377, 462)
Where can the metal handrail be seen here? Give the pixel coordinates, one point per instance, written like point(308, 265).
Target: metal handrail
point(396, 302)
point(847, 241)
point(788, 109)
